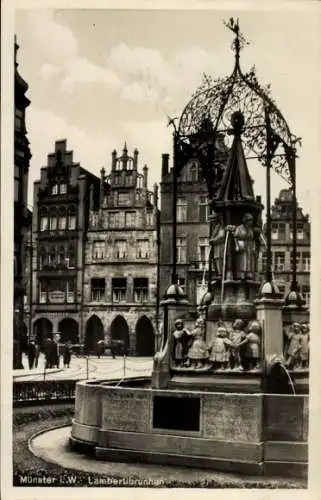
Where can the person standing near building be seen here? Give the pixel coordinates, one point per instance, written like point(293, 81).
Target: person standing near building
point(31, 353)
point(67, 354)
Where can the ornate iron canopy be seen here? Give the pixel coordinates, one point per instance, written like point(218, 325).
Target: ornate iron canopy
point(265, 135)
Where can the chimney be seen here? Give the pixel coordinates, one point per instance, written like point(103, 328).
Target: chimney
point(135, 158)
point(155, 195)
point(165, 161)
point(113, 159)
point(145, 169)
point(102, 182)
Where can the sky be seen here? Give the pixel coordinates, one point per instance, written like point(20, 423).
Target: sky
point(102, 77)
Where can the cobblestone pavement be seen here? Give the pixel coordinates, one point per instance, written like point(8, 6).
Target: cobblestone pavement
point(105, 367)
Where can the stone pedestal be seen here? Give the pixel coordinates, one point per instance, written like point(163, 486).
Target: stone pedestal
point(237, 300)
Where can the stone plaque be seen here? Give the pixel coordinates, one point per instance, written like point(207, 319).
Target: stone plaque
point(284, 417)
point(126, 410)
point(232, 417)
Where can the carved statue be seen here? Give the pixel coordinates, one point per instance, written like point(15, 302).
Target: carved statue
point(246, 248)
point(236, 337)
point(305, 343)
point(220, 349)
point(182, 342)
point(293, 355)
point(253, 341)
point(198, 353)
point(217, 243)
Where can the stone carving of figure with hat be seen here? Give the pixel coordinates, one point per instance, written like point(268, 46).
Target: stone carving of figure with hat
point(246, 248)
point(217, 242)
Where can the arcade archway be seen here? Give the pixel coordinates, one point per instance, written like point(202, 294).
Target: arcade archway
point(42, 329)
point(94, 332)
point(119, 331)
point(144, 337)
point(69, 330)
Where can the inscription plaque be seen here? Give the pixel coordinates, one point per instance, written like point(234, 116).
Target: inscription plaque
point(233, 417)
point(128, 411)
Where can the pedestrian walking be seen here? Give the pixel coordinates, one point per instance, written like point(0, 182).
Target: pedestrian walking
point(67, 354)
point(48, 352)
point(100, 348)
point(31, 353)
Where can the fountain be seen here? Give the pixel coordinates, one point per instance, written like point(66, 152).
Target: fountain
point(232, 392)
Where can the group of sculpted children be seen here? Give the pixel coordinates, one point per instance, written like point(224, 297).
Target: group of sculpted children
point(191, 351)
point(297, 346)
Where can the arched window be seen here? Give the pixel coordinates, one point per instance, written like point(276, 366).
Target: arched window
point(72, 218)
point(44, 221)
point(54, 189)
point(62, 220)
point(53, 219)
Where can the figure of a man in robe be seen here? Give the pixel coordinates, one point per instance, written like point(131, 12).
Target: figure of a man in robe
point(246, 249)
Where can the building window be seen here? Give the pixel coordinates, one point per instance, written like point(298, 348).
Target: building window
point(97, 289)
point(279, 261)
point(193, 172)
point(53, 221)
point(54, 189)
point(306, 262)
point(149, 218)
point(182, 283)
point(63, 188)
point(70, 291)
point(140, 289)
point(203, 208)
point(263, 261)
point(119, 286)
point(99, 250)
point(299, 232)
point(142, 249)
point(306, 297)
point(275, 232)
point(121, 249)
point(57, 291)
point(130, 219)
point(128, 179)
point(181, 210)
point(71, 258)
point(181, 250)
point(42, 292)
point(72, 218)
point(62, 220)
point(123, 199)
point(117, 179)
point(44, 221)
point(298, 261)
point(61, 256)
point(203, 251)
point(18, 119)
point(42, 258)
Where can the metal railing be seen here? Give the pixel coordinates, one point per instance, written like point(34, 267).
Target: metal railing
point(43, 391)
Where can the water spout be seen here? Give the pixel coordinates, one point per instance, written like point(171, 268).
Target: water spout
point(273, 360)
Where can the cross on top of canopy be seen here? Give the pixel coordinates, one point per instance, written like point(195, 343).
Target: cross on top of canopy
point(265, 134)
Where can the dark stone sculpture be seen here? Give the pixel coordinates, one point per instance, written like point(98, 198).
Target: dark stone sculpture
point(182, 343)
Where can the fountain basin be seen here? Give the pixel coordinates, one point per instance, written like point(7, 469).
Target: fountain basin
point(259, 434)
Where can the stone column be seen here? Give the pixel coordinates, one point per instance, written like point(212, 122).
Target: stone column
point(269, 314)
point(175, 306)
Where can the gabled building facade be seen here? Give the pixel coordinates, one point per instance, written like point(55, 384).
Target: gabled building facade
point(120, 273)
point(193, 225)
point(281, 243)
point(22, 216)
point(60, 221)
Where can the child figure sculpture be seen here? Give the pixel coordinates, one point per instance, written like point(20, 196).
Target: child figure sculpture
point(253, 341)
point(197, 353)
point(305, 345)
point(220, 349)
point(295, 346)
point(182, 339)
point(236, 336)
